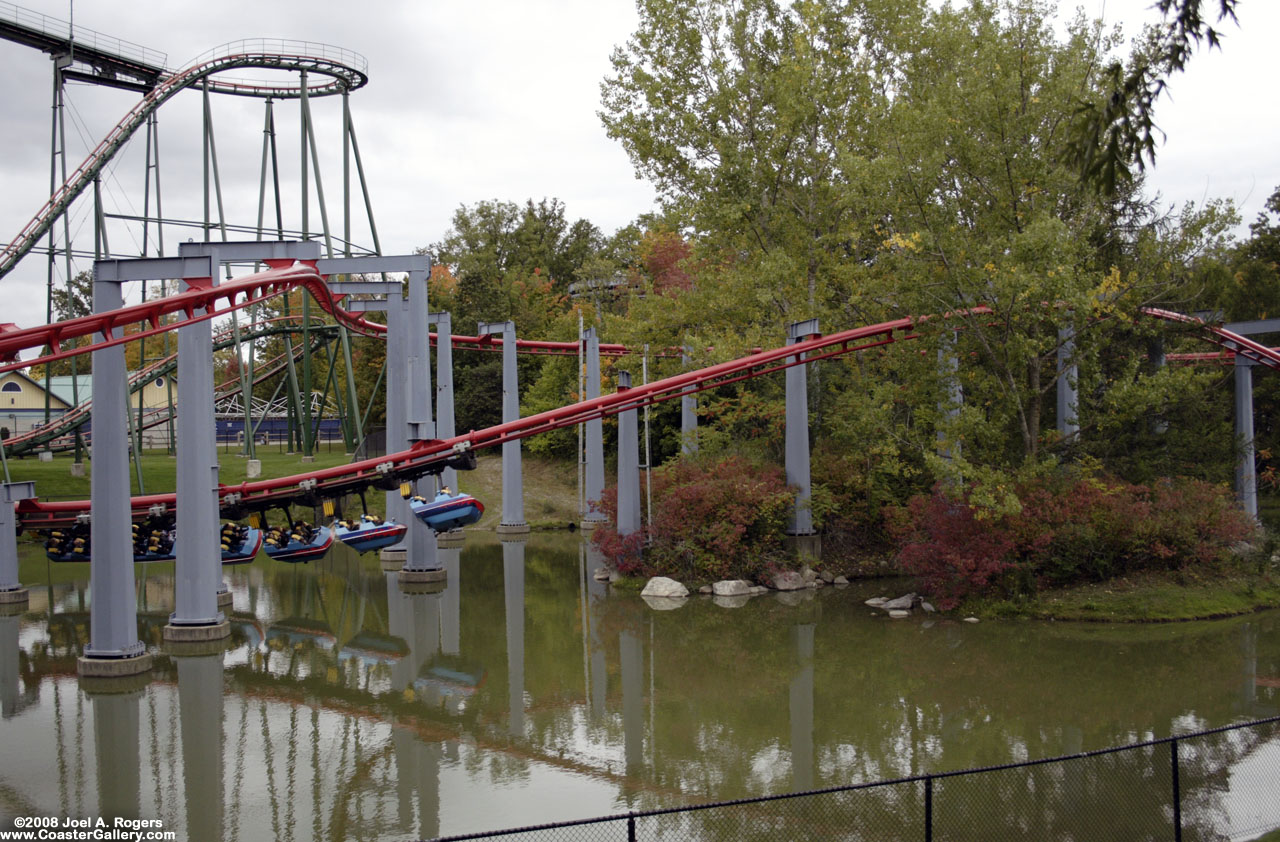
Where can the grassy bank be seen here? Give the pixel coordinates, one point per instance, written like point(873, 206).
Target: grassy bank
point(1150, 597)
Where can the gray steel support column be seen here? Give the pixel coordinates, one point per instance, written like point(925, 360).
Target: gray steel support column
point(628, 465)
point(1155, 352)
point(397, 405)
point(113, 646)
point(1068, 375)
point(11, 590)
point(594, 476)
point(444, 388)
point(408, 401)
point(200, 706)
point(198, 568)
point(797, 435)
point(421, 539)
point(512, 472)
point(1246, 469)
point(949, 407)
point(688, 416)
point(513, 589)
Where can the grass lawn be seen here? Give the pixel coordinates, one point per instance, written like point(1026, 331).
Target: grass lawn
point(159, 471)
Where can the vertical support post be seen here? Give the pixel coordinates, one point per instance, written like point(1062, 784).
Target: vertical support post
point(444, 388)
point(113, 648)
point(928, 809)
point(797, 435)
point(1155, 353)
point(1068, 375)
point(397, 416)
point(11, 590)
point(512, 477)
point(628, 465)
point(948, 367)
point(594, 475)
point(1246, 469)
point(198, 569)
point(422, 564)
point(688, 414)
point(1177, 792)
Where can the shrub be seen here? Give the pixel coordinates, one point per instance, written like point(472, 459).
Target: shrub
point(714, 519)
point(1070, 529)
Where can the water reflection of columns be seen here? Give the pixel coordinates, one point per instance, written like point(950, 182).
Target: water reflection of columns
point(513, 585)
point(802, 710)
point(417, 774)
point(631, 656)
point(10, 668)
point(451, 602)
point(115, 742)
point(598, 676)
point(200, 702)
point(1249, 666)
point(416, 619)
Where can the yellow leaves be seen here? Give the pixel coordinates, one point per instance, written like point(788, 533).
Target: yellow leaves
point(898, 241)
point(1108, 292)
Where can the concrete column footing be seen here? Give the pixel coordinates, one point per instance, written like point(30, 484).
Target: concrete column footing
point(455, 538)
point(422, 577)
point(512, 528)
point(113, 667)
point(196, 634)
point(225, 598)
point(14, 597)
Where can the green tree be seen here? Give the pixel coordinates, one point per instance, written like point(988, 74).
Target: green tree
point(869, 160)
point(1114, 132)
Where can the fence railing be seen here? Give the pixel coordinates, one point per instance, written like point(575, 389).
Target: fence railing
point(1216, 784)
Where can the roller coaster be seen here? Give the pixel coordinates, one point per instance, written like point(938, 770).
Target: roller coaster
point(325, 70)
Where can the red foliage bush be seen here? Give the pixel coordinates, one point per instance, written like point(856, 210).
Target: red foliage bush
point(712, 520)
point(1070, 529)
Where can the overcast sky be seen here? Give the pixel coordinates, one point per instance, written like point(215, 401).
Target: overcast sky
point(487, 100)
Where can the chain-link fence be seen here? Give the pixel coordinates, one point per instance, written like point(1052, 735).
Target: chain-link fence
point(1219, 784)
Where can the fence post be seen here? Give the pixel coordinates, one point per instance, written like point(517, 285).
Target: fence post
point(928, 809)
point(631, 829)
point(1177, 792)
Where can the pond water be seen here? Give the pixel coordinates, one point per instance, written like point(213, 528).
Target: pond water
point(527, 692)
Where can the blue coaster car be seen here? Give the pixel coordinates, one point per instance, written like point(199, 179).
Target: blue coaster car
point(153, 542)
point(68, 543)
point(299, 543)
point(447, 511)
point(370, 532)
point(240, 543)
